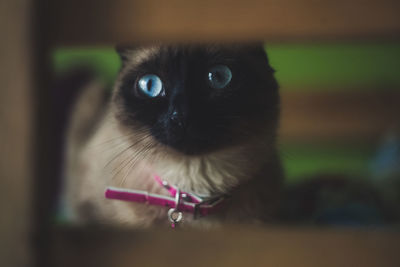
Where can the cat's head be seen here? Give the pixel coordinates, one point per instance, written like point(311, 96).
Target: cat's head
point(197, 98)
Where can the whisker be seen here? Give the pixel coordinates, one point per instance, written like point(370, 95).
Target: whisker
point(133, 145)
point(122, 137)
point(126, 149)
point(132, 162)
point(117, 156)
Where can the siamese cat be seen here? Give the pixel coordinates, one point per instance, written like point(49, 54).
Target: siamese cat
point(202, 117)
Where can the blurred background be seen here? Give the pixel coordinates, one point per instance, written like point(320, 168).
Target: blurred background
point(338, 67)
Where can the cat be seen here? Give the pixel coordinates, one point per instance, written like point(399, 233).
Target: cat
point(203, 117)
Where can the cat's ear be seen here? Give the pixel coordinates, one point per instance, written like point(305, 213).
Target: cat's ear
point(124, 51)
point(259, 51)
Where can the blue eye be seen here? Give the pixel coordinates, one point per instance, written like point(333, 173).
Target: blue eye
point(150, 85)
point(219, 76)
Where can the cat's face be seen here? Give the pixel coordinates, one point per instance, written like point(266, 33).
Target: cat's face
point(197, 98)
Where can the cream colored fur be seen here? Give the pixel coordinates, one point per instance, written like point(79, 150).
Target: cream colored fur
point(94, 166)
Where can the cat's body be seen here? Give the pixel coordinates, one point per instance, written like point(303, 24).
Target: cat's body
point(201, 139)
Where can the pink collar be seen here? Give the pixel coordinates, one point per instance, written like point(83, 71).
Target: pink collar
point(178, 202)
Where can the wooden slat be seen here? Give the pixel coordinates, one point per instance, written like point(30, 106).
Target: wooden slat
point(15, 134)
point(351, 115)
point(124, 21)
point(230, 246)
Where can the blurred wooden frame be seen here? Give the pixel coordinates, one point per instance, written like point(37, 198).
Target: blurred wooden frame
point(26, 161)
point(98, 21)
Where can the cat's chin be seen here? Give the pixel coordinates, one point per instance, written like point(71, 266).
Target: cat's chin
point(191, 147)
point(189, 150)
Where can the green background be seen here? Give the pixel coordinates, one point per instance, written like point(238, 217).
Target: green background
point(299, 67)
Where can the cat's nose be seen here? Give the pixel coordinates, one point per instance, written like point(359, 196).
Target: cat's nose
point(176, 119)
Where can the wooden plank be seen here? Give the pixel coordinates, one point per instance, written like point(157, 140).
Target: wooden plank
point(122, 21)
point(230, 246)
point(15, 133)
point(360, 115)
